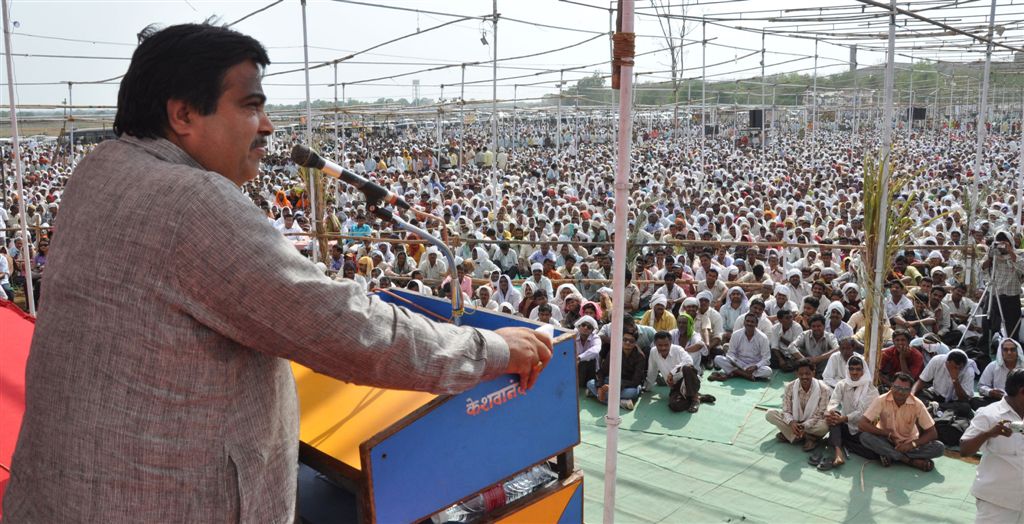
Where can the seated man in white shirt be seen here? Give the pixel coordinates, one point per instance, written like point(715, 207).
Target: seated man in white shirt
point(835, 368)
point(850, 397)
point(802, 417)
point(685, 335)
point(992, 386)
point(673, 294)
point(948, 380)
point(782, 334)
point(588, 348)
point(672, 365)
point(748, 356)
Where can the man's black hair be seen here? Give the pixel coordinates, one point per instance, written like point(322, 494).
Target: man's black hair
point(958, 357)
point(1014, 382)
point(903, 377)
point(804, 363)
point(662, 335)
point(855, 361)
point(816, 318)
point(186, 62)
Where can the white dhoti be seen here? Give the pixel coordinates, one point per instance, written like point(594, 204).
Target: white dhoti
point(727, 366)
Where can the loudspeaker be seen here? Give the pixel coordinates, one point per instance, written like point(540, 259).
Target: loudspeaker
point(919, 113)
point(710, 130)
point(756, 117)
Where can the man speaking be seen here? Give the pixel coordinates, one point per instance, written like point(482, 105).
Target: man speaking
point(158, 383)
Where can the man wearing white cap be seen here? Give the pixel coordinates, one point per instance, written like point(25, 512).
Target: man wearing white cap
point(588, 347)
point(432, 267)
point(541, 281)
point(708, 323)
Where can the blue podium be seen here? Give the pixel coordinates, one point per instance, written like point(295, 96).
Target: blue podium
point(389, 456)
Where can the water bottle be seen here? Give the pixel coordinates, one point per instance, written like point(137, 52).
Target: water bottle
point(528, 482)
point(467, 511)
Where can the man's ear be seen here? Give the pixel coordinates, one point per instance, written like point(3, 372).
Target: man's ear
point(180, 117)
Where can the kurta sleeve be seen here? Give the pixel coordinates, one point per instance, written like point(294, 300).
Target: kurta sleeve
point(241, 278)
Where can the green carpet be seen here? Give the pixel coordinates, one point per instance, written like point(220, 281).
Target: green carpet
point(724, 465)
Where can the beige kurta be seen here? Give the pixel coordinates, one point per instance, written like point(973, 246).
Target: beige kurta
point(158, 384)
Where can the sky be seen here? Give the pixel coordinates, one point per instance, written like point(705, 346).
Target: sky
point(336, 28)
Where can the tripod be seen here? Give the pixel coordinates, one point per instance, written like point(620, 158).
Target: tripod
point(986, 323)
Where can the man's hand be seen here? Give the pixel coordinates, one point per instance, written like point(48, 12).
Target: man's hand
point(528, 353)
point(1001, 429)
point(996, 394)
point(905, 446)
point(669, 380)
point(602, 393)
point(798, 429)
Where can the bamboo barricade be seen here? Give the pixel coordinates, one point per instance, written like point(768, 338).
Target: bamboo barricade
point(969, 249)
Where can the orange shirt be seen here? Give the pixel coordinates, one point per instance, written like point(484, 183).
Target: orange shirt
point(903, 420)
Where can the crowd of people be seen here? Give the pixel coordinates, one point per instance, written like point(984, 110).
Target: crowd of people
point(740, 263)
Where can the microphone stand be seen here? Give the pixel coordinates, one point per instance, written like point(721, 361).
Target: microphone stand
point(385, 214)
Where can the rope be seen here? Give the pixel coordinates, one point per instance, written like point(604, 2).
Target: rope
point(623, 51)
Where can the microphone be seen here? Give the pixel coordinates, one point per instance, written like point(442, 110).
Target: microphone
point(306, 157)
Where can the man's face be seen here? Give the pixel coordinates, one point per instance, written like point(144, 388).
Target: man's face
point(805, 375)
point(901, 342)
point(659, 310)
point(846, 350)
point(818, 328)
point(663, 345)
point(544, 316)
point(926, 287)
point(690, 310)
point(750, 324)
point(628, 343)
point(1009, 354)
point(900, 391)
point(231, 140)
point(756, 309)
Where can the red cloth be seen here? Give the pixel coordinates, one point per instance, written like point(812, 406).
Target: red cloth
point(17, 327)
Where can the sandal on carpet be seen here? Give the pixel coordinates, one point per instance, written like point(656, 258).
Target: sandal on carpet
point(886, 461)
point(826, 465)
point(717, 376)
point(815, 459)
point(710, 399)
point(925, 465)
point(693, 407)
point(780, 437)
point(810, 444)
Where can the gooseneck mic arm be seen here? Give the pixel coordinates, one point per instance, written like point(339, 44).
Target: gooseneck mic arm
point(306, 157)
point(375, 195)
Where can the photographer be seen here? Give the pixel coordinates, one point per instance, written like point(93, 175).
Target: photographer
point(1006, 270)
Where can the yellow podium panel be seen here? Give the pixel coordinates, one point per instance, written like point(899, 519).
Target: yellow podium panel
point(336, 417)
